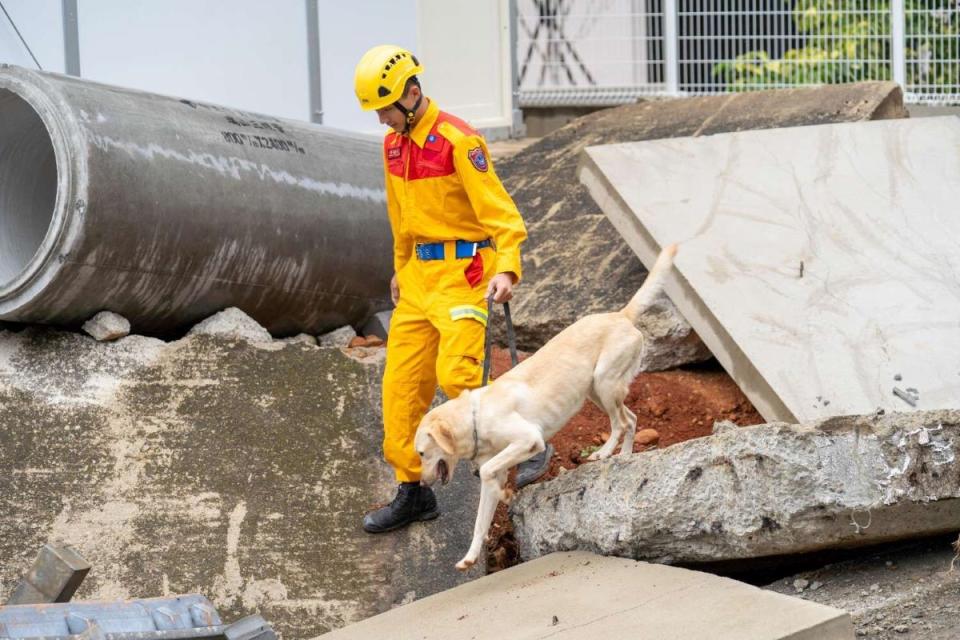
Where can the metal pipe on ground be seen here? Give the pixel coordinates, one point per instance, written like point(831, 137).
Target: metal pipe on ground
point(168, 210)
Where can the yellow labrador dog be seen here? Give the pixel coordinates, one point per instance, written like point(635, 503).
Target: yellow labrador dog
point(508, 422)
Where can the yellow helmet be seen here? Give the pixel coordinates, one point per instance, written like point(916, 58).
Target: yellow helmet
point(382, 74)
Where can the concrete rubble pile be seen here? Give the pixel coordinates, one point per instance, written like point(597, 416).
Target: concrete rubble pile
point(575, 261)
point(755, 492)
point(225, 463)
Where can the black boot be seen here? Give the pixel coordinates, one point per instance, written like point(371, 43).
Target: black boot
point(534, 468)
point(413, 503)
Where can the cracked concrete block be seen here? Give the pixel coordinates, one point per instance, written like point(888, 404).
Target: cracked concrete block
point(756, 492)
point(106, 326)
point(232, 323)
point(218, 466)
point(338, 337)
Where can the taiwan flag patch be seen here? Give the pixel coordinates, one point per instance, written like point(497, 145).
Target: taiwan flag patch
point(477, 159)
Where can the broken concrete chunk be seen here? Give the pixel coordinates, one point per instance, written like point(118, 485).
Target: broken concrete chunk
point(722, 426)
point(106, 326)
point(301, 338)
point(338, 337)
point(232, 323)
point(756, 492)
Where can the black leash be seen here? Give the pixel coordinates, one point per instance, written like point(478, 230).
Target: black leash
point(487, 355)
point(488, 339)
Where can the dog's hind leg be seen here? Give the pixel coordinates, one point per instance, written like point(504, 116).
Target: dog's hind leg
point(630, 420)
point(493, 475)
point(609, 396)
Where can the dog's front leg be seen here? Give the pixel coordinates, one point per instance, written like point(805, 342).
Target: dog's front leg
point(492, 491)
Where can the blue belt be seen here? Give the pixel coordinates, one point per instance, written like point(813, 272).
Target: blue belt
point(465, 249)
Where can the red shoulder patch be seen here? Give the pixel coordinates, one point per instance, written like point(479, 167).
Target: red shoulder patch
point(478, 159)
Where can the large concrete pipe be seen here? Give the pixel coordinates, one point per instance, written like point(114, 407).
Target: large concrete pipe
point(167, 210)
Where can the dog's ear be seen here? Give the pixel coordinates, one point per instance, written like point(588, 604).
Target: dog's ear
point(441, 433)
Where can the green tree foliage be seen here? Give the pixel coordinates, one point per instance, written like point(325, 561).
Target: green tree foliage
point(849, 41)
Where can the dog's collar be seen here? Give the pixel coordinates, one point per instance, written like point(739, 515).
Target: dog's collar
point(476, 426)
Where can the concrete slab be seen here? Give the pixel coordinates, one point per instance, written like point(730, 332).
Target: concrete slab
point(819, 264)
point(582, 595)
point(217, 464)
point(743, 497)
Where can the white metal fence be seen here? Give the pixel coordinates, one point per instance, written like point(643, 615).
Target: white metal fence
point(599, 52)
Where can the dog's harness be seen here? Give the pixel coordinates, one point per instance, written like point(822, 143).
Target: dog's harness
point(487, 354)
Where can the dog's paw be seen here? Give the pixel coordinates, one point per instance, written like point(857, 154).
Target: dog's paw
point(507, 496)
point(465, 564)
point(597, 455)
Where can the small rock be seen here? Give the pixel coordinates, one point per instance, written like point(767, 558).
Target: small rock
point(374, 341)
point(724, 426)
point(232, 323)
point(301, 338)
point(647, 436)
point(561, 471)
point(800, 584)
point(556, 621)
point(338, 337)
point(901, 628)
point(358, 341)
point(864, 593)
point(861, 632)
point(875, 587)
point(889, 563)
point(898, 377)
point(815, 585)
point(106, 326)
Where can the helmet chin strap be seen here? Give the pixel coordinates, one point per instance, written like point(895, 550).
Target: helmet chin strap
point(409, 114)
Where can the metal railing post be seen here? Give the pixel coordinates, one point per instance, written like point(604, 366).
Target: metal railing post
point(898, 42)
point(671, 57)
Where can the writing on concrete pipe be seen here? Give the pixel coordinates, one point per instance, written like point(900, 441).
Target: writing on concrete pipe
point(167, 210)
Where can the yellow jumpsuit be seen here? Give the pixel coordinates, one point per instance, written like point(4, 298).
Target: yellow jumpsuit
point(441, 187)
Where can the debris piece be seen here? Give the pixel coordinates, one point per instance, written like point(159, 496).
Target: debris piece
point(357, 341)
point(54, 577)
point(906, 397)
point(232, 323)
point(301, 338)
point(374, 341)
point(647, 436)
point(722, 426)
point(875, 587)
point(800, 584)
point(107, 326)
point(897, 377)
point(556, 621)
point(815, 585)
point(338, 337)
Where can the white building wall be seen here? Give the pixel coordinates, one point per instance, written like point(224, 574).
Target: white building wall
point(253, 54)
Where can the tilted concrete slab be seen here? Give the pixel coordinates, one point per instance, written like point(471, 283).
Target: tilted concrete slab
point(819, 264)
point(582, 595)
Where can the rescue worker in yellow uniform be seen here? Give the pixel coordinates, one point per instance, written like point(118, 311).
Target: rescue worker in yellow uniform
point(457, 236)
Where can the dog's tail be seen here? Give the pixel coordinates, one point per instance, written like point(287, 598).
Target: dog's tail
point(652, 286)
